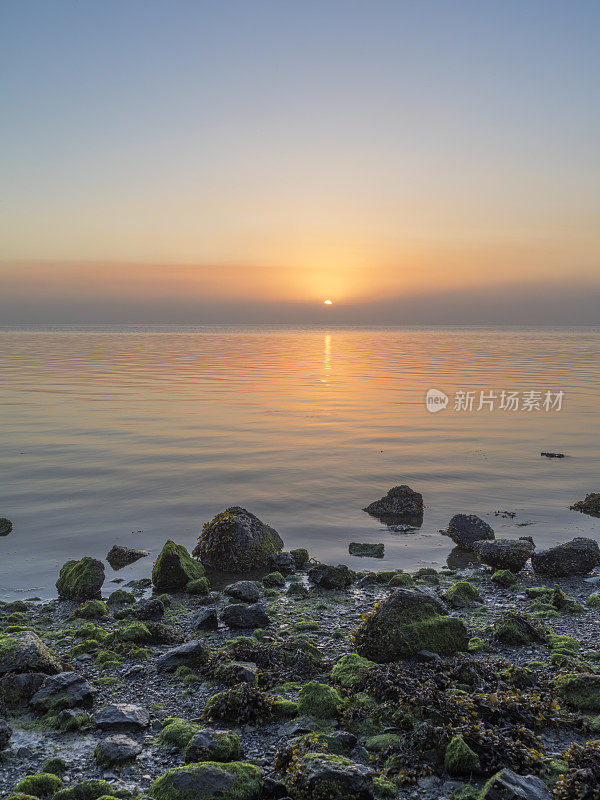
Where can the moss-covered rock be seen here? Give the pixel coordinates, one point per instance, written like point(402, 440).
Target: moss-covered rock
point(233, 781)
point(91, 789)
point(177, 732)
point(581, 690)
point(514, 630)
point(81, 580)
point(505, 578)
point(55, 765)
point(175, 568)
point(460, 760)
point(274, 579)
point(409, 621)
point(198, 586)
point(42, 785)
point(135, 632)
point(120, 598)
point(401, 580)
point(237, 541)
point(209, 745)
point(300, 557)
point(462, 594)
point(319, 701)
point(350, 669)
point(92, 609)
point(383, 741)
point(24, 651)
point(321, 776)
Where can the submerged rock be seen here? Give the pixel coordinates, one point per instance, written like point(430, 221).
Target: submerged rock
point(329, 577)
point(24, 651)
point(120, 556)
point(407, 622)
point(175, 568)
point(466, 529)
point(591, 505)
point(237, 541)
point(5, 526)
point(400, 504)
point(234, 781)
point(577, 557)
point(237, 615)
point(81, 580)
point(511, 554)
point(366, 550)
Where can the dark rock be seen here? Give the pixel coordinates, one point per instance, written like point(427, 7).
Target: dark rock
point(427, 657)
point(191, 654)
point(466, 529)
point(591, 505)
point(5, 526)
point(329, 577)
point(120, 556)
point(150, 609)
point(17, 688)
point(209, 780)
point(5, 734)
point(577, 557)
point(81, 580)
point(368, 550)
point(407, 622)
point(341, 777)
point(24, 651)
point(300, 556)
point(174, 568)
point(122, 716)
point(206, 619)
point(162, 634)
point(237, 615)
point(273, 789)
point(237, 541)
point(117, 749)
point(510, 554)
point(66, 690)
point(507, 785)
point(209, 745)
point(282, 562)
point(400, 504)
point(139, 585)
point(247, 591)
point(553, 455)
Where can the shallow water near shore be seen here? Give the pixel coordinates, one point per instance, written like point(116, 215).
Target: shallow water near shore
point(133, 435)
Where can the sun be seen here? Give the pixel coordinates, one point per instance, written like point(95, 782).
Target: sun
point(328, 302)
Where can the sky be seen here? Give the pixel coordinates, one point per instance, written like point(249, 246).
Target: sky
point(183, 161)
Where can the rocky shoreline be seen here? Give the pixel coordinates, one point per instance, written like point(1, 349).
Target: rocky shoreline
point(314, 682)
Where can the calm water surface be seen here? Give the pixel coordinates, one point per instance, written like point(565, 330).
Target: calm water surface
point(134, 436)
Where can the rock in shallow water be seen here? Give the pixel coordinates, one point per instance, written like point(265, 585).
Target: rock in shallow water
point(466, 529)
point(175, 568)
point(577, 557)
point(366, 550)
point(591, 505)
point(327, 576)
point(400, 504)
point(81, 580)
point(510, 554)
point(5, 526)
point(120, 556)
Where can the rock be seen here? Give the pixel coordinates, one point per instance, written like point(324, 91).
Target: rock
point(191, 654)
point(460, 761)
point(553, 455)
point(122, 716)
point(235, 781)
point(342, 777)
point(247, 591)
point(591, 505)
point(400, 504)
point(580, 690)
point(577, 557)
point(514, 630)
point(366, 550)
point(65, 690)
point(120, 556)
point(150, 609)
point(17, 688)
point(410, 620)
point(282, 562)
point(5, 734)
point(466, 529)
point(300, 556)
point(5, 526)
point(81, 580)
point(117, 749)
point(507, 785)
point(329, 577)
point(206, 619)
point(209, 745)
point(241, 616)
point(174, 568)
point(237, 541)
point(24, 651)
point(511, 554)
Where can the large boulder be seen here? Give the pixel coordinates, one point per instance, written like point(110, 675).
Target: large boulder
point(191, 654)
point(24, 651)
point(81, 580)
point(238, 615)
point(237, 541)
point(121, 717)
point(400, 504)
point(327, 576)
point(507, 785)
point(120, 556)
point(233, 781)
point(591, 505)
point(65, 690)
point(466, 529)
point(314, 771)
point(410, 620)
point(510, 554)
point(174, 568)
point(577, 557)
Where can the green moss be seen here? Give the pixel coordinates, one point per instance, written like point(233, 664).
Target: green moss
point(384, 788)
point(595, 724)
point(106, 680)
point(81, 580)
point(274, 579)
point(350, 669)
point(402, 579)
point(239, 781)
point(428, 576)
point(198, 586)
point(462, 594)
point(108, 659)
point(55, 765)
point(135, 632)
point(581, 690)
point(224, 746)
point(562, 643)
point(476, 645)
point(91, 789)
point(283, 707)
point(508, 631)
point(539, 592)
point(297, 589)
point(300, 556)
point(120, 598)
point(505, 578)
point(90, 631)
point(383, 741)
point(320, 701)
point(460, 760)
point(593, 601)
point(92, 609)
point(177, 732)
point(44, 784)
point(175, 568)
